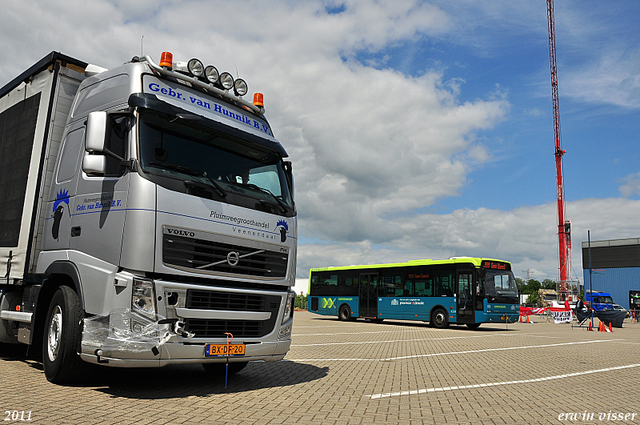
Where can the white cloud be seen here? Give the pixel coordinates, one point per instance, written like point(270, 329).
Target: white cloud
point(631, 185)
point(526, 236)
point(613, 79)
point(372, 148)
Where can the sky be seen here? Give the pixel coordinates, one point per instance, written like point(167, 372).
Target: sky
point(417, 129)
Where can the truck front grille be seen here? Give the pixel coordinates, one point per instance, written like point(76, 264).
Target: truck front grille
point(203, 328)
point(205, 255)
point(216, 300)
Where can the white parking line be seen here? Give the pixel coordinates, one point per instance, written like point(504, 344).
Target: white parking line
point(345, 333)
point(394, 341)
point(495, 384)
point(486, 350)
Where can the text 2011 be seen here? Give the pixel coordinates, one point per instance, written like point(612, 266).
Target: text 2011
point(17, 415)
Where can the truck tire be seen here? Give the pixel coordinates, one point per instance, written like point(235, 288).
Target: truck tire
point(439, 319)
point(62, 337)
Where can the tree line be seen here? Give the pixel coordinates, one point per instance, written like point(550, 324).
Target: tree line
point(532, 286)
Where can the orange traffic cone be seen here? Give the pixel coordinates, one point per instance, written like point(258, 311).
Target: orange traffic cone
point(590, 328)
point(527, 318)
point(521, 318)
point(600, 327)
point(610, 327)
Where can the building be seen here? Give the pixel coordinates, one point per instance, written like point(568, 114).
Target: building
point(615, 267)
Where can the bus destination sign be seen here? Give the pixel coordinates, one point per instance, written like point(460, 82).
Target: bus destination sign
point(495, 265)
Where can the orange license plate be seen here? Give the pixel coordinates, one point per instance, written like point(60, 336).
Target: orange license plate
point(224, 350)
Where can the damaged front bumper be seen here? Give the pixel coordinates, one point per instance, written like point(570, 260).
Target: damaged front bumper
point(126, 338)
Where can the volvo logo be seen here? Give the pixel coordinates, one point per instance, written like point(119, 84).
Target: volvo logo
point(233, 258)
point(180, 232)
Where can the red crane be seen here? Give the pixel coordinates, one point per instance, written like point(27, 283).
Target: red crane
point(564, 226)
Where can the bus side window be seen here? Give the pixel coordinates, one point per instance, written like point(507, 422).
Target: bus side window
point(397, 283)
point(408, 286)
point(443, 282)
point(424, 288)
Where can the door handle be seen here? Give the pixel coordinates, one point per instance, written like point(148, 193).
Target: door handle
point(75, 231)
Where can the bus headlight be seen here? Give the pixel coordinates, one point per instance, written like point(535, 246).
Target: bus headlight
point(143, 298)
point(289, 307)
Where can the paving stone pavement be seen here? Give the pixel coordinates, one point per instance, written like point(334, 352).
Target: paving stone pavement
point(395, 372)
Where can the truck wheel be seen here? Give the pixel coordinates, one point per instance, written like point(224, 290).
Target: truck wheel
point(439, 319)
point(345, 313)
point(219, 368)
point(62, 336)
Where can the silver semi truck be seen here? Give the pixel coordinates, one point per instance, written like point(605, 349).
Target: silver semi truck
point(146, 218)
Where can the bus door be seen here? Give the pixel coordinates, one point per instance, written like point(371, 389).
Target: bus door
point(368, 295)
point(465, 297)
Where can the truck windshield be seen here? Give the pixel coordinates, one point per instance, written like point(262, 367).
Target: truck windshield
point(500, 283)
point(182, 153)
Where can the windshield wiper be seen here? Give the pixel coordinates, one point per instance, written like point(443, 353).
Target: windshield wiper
point(192, 172)
point(282, 205)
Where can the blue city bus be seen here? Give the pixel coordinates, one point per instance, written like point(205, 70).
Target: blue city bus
point(468, 291)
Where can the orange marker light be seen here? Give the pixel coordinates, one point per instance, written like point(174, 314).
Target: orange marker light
point(258, 99)
point(166, 60)
point(17, 308)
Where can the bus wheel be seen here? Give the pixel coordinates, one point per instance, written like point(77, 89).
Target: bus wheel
point(62, 336)
point(344, 313)
point(473, 325)
point(439, 319)
point(219, 368)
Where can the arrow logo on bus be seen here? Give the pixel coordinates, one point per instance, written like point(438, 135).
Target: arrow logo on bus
point(328, 302)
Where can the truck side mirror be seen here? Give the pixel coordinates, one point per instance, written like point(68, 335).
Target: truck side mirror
point(289, 174)
point(96, 131)
point(94, 164)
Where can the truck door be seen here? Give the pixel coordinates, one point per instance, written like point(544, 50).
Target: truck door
point(62, 199)
point(98, 222)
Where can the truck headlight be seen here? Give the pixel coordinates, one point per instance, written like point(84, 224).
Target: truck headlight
point(240, 87)
point(195, 68)
point(143, 298)
point(226, 81)
point(289, 306)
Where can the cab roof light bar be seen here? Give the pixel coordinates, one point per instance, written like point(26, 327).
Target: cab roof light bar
point(207, 78)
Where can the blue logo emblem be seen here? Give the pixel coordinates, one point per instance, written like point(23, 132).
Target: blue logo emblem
point(61, 196)
point(284, 228)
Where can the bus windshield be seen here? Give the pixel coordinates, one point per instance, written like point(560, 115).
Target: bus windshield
point(500, 283)
point(183, 155)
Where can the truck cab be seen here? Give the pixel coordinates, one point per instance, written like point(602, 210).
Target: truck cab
point(598, 300)
point(168, 229)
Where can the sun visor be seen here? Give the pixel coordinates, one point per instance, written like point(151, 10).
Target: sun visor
point(175, 99)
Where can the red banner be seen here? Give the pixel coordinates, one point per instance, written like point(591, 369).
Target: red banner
point(527, 311)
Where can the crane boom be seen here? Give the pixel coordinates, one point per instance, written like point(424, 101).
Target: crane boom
point(564, 226)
